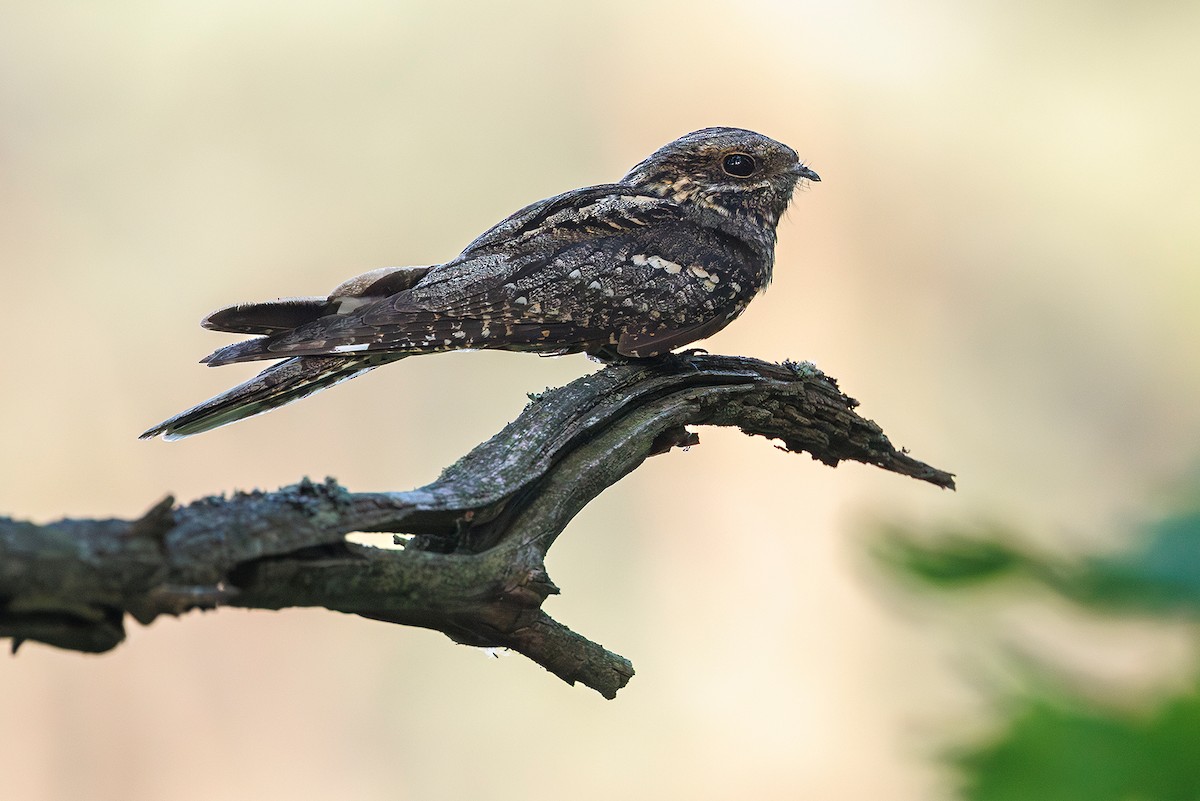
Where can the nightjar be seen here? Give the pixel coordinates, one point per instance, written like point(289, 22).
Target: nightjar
point(668, 255)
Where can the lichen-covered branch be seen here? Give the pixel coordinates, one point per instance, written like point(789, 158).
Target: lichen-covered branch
point(473, 562)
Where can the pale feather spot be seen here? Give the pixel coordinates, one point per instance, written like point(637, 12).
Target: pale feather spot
point(709, 203)
point(574, 274)
point(594, 285)
point(351, 348)
point(459, 334)
point(521, 301)
point(698, 271)
point(670, 267)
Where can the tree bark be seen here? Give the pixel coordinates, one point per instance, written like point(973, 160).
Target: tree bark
point(474, 541)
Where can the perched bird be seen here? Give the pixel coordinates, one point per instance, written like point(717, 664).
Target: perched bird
point(668, 255)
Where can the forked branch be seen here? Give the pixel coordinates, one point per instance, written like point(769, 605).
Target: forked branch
point(475, 540)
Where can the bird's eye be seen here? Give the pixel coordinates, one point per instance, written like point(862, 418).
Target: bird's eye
point(739, 165)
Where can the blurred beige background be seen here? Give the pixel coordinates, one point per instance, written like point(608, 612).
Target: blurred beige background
point(1001, 264)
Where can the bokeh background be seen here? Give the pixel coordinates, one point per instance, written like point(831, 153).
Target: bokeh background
point(1001, 263)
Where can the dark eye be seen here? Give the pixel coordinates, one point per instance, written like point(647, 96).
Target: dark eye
point(739, 165)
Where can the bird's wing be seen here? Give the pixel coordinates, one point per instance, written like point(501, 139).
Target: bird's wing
point(601, 270)
point(580, 212)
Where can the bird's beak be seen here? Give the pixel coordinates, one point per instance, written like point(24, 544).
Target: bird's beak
point(804, 172)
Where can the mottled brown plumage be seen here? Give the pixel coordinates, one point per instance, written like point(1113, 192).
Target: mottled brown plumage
point(669, 255)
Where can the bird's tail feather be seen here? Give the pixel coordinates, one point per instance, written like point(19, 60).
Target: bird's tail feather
point(280, 384)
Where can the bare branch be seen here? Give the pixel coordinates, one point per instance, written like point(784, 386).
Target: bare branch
point(474, 565)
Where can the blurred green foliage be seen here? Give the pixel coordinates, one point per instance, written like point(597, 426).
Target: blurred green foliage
point(950, 561)
point(1158, 573)
point(1050, 749)
point(1051, 743)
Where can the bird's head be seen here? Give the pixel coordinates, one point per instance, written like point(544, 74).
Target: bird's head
point(731, 172)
